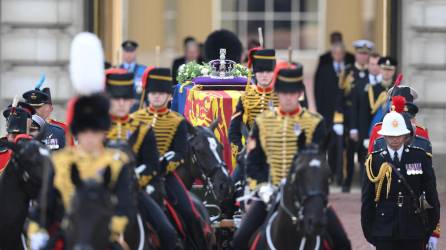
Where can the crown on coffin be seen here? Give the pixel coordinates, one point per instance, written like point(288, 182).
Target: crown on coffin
point(222, 68)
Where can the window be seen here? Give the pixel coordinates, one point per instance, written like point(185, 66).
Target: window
point(284, 22)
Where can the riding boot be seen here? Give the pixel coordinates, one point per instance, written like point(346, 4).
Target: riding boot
point(153, 214)
point(252, 220)
point(179, 198)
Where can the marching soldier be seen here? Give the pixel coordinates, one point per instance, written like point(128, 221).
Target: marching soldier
point(55, 136)
point(266, 160)
point(129, 63)
point(90, 124)
point(140, 138)
point(400, 206)
point(18, 119)
point(171, 139)
point(351, 78)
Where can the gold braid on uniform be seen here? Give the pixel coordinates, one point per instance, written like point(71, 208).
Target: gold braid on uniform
point(255, 102)
point(278, 138)
point(164, 125)
point(385, 172)
point(143, 129)
point(374, 105)
point(345, 81)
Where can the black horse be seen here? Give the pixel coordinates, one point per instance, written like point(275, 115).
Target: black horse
point(206, 162)
point(92, 208)
point(20, 183)
point(302, 206)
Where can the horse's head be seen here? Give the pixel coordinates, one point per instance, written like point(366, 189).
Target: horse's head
point(91, 210)
point(29, 160)
point(306, 191)
point(207, 155)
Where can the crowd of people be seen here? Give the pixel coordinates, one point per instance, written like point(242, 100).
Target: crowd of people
point(127, 136)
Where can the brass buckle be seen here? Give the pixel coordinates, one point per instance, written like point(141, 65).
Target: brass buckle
point(400, 200)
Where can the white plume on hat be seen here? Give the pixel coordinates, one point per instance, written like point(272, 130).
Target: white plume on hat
point(87, 64)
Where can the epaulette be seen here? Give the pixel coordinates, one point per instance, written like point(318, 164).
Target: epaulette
point(378, 151)
point(311, 114)
point(411, 146)
point(421, 142)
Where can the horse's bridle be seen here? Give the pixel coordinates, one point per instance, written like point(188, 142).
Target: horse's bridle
point(206, 175)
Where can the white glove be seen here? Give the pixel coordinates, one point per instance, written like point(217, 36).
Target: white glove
point(338, 129)
point(168, 156)
point(432, 244)
point(354, 134)
point(366, 143)
point(38, 240)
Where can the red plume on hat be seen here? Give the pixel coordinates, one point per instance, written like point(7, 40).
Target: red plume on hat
point(398, 103)
point(145, 76)
point(251, 54)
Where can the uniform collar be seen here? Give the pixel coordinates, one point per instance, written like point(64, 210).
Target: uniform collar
point(266, 90)
point(120, 119)
point(292, 113)
point(360, 67)
point(399, 152)
point(160, 111)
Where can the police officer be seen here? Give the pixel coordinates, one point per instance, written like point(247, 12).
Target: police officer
point(129, 63)
point(128, 132)
point(18, 119)
point(256, 99)
point(54, 136)
point(272, 144)
point(398, 177)
point(352, 77)
point(171, 139)
point(90, 124)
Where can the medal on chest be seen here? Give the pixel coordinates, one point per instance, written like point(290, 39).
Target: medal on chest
point(414, 168)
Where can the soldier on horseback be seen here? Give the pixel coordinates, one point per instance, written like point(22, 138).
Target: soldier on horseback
point(256, 99)
point(90, 124)
point(171, 139)
point(273, 143)
point(125, 131)
point(18, 119)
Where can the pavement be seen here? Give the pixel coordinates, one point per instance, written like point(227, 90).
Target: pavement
point(348, 207)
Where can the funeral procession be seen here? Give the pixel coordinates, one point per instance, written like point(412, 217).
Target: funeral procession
point(222, 124)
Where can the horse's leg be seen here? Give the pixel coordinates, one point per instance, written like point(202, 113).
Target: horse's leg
point(180, 198)
point(207, 227)
point(153, 214)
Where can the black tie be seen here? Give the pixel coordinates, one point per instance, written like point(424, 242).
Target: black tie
point(396, 161)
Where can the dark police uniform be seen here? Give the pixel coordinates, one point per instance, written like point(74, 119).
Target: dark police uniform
point(54, 137)
point(388, 216)
point(171, 140)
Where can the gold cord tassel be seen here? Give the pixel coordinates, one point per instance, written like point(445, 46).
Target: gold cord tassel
point(385, 172)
